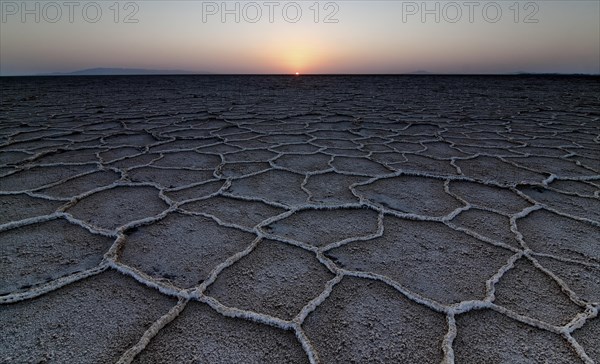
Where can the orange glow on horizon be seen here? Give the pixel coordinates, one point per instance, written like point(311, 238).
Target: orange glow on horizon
point(293, 53)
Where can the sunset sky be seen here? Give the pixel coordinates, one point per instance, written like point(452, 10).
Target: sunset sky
point(368, 37)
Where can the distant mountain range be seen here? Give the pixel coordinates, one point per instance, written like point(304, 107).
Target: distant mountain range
point(143, 71)
point(120, 72)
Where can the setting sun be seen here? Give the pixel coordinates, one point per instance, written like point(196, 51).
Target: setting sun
point(297, 73)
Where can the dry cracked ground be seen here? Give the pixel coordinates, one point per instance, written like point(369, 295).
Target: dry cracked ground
point(308, 219)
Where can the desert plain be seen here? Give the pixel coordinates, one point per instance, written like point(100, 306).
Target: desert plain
point(282, 219)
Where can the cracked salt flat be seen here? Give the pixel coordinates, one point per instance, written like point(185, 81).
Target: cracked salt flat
point(385, 221)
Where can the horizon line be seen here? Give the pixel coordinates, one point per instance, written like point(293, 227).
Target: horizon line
point(305, 74)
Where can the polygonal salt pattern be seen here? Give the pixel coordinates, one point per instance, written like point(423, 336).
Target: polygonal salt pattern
point(410, 195)
point(192, 173)
point(367, 321)
point(407, 146)
point(487, 224)
point(88, 155)
point(275, 279)
point(583, 279)
point(490, 169)
point(109, 209)
point(556, 166)
point(130, 139)
point(359, 166)
point(169, 178)
point(234, 211)
point(294, 148)
point(181, 145)
point(335, 143)
point(491, 152)
point(323, 227)
point(424, 165)
point(238, 170)
point(551, 142)
point(589, 163)
point(258, 155)
point(248, 144)
point(182, 249)
point(39, 146)
point(80, 185)
point(581, 188)
point(490, 337)
point(19, 207)
point(333, 134)
point(196, 191)
point(587, 336)
point(188, 133)
point(37, 177)
point(542, 152)
point(135, 161)
point(277, 186)
point(200, 334)
point(42, 252)
point(582, 207)
point(489, 197)
point(546, 232)
point(34, 135)
point(93, 320)
point(427, 258)
point(345, 152)
point(483, 143)
point(389, 158)
point(188, 160)
point(220, 148)
point(332, 188)
point(304, 163)
point(114, 154)
point(15, 157)
point(528, 291)
point(442, 150)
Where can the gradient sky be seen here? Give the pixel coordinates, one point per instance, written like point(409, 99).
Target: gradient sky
point(369, 37)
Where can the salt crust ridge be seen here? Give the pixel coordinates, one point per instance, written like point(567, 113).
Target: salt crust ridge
point(111, 257)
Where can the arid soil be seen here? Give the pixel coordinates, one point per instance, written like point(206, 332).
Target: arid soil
point(302, 219)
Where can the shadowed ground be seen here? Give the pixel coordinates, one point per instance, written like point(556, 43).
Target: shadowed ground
point(300, 219)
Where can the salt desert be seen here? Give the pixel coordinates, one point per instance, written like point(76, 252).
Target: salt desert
point(284, 219)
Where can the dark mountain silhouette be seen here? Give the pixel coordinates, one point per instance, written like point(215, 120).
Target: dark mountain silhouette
point(122, 71)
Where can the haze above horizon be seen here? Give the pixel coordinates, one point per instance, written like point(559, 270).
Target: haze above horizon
point(305, 37)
